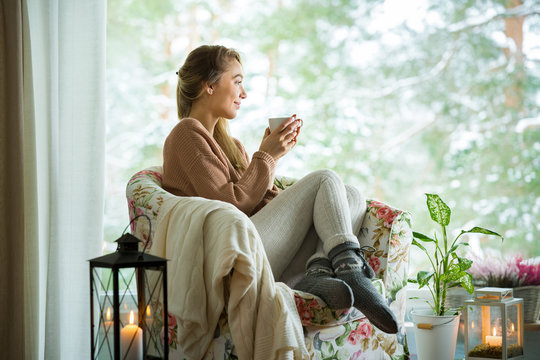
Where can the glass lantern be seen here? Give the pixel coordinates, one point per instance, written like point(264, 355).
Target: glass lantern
point(493, 325)
point(128, 301)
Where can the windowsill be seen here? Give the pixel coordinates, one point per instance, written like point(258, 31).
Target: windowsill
point(532, 326)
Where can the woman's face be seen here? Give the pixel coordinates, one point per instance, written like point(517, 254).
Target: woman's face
point(228, 92)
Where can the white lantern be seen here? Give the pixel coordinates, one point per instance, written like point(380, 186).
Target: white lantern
point(493, 325)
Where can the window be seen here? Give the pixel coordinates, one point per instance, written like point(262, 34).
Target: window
point(401, 99)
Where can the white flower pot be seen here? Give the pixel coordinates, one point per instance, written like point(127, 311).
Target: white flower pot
point(435, 336)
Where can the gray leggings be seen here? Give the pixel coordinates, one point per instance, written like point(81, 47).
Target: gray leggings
point(307, 220)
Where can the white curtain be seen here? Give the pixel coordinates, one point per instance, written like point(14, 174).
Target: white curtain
point(62, 135)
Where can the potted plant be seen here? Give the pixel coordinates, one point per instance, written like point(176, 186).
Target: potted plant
point(436, 329)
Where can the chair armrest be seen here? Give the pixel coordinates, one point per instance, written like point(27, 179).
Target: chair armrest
point(145, 196)
point(388, 230)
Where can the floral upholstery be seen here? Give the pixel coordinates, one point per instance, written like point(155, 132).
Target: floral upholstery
point(329, 334)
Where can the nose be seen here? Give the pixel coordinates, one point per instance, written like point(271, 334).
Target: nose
point(243, 93)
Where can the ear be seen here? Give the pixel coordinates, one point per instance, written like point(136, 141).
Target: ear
point(209, 89)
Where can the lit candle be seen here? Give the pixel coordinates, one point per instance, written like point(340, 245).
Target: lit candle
point(148, 318)
point(131, 334)
point(108, 322)
point(494, 340)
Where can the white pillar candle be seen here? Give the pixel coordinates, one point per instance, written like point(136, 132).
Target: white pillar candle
point(494, 340)
point(131, 334)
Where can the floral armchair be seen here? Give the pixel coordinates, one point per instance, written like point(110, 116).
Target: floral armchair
point(328, 334)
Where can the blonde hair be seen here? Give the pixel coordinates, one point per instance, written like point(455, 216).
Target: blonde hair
point(206, 64)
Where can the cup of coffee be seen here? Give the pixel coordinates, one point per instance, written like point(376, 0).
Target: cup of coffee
point(274, 122)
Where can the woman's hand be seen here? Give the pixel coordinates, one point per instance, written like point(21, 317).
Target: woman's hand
point(279, 142)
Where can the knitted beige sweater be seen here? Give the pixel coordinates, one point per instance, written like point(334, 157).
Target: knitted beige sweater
point(195, 165)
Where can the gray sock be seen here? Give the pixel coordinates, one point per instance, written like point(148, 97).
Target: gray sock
point(319, 280)
point(350, 266)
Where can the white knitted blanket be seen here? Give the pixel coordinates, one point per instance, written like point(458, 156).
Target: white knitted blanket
point(204, 241)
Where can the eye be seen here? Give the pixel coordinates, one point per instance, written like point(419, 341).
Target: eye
point(238, 82)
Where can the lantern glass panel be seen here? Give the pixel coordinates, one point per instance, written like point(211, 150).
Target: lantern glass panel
point(152, 313)
point(514, 336)
point(104, 316)
point(485, 331)
point(494, 327)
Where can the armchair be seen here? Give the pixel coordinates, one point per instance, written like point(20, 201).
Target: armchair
point(328, 334)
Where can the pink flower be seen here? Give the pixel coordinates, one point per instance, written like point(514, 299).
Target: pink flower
point(376, 204)
point(365, 329)
point(387, 215)
point(144, 173)
point(383, 212)
point(171, 321)
point(375, 263)
point(158, 176)
point(356, 355)
point(299, 302)
point(354, 337)
point(390, 219)
point(171, 336)
point(529, 271)
point(495, 270)
point(305, 314)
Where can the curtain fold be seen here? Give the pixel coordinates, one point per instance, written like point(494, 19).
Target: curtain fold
point(14, 329)
point(52, 93)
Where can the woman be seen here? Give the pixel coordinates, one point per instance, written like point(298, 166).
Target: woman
point(318, 215)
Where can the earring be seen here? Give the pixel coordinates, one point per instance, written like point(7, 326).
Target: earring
point(210, 91)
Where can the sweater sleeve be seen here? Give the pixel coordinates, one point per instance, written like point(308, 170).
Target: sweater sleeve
point(208, 171)
point(272, 190)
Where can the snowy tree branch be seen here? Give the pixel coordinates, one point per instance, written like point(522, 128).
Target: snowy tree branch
point(409, 82)
point(519, 11)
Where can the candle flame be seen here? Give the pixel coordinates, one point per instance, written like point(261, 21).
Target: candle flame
point(512, 327)
point(108, 316)
point(494, 332)
point(148, 311)
point(472, 325)
point(131, 317)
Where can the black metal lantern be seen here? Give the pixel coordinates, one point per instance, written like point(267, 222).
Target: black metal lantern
point(128, 303)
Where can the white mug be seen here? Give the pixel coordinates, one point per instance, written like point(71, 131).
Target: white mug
point(276, 121)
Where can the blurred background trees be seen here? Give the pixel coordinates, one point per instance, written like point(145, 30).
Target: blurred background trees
point(400, 98)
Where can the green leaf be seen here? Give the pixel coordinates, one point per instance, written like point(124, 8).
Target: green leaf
point(438, 210)
point(423, 277)
point(417, 244)
point(452, 274)
point(422, 237)
point(464, 263)
point(479, 230)
point(466, 283)
point(340, 341)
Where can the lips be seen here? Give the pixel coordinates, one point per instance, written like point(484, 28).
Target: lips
point(237, 103)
